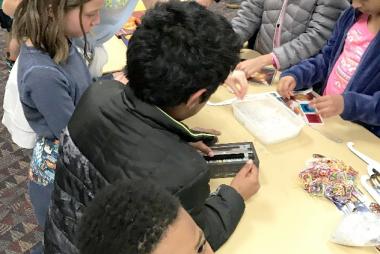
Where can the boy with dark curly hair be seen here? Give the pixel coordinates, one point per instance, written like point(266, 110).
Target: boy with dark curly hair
point(176, 59)
point(138, 217)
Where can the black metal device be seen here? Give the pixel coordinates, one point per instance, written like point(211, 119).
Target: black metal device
point(229, 158)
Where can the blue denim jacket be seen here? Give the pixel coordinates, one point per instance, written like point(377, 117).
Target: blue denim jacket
point(362, 94)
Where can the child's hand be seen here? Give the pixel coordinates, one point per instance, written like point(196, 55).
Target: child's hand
point(238, 83)
point(203, 148)
point(120, 76)
point(205, 3)
point(286, 86)
point(329, 105)
point(246, 181)
point(251, 66)
point(206, 130)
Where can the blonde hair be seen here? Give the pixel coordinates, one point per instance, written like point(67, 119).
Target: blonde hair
point(42, 22)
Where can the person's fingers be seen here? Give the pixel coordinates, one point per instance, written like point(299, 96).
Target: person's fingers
point(253, 70)
point(246, 169)
point(313, 103)
point(240, 92)
point(205, 3)
point(280, 88)
point(325, 113)
point(233, 88)
point(242, 65)
point(243, 90)
point(289, 89)
point(324, 100)
point(283, 88)
point(239, 77)
point(237, 83)
point(247, 67)
point(120, 76)
point(254, 172)
point(238, 67)
point(206, 130)
point(243, 85)
point(246, 72)
point(203, 148)
point(321, 99)
point(290, 93)
point(288, 84)
point(321, 106)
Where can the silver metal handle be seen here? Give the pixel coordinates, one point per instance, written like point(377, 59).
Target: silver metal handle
point(365, 158)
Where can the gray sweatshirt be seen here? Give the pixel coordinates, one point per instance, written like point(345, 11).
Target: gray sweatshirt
point(49, 92)
point(292, 29)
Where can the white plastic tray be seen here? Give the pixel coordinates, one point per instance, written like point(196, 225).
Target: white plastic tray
point(267, 118)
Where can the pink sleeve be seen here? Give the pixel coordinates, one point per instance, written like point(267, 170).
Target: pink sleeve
point(275, 61)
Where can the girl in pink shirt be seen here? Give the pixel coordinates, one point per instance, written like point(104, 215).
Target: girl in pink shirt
point(351, 86)
point(357, 41)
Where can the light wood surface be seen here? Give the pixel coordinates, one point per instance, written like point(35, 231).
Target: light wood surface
point(282, 217)
point(117, 55)
point(117, 51)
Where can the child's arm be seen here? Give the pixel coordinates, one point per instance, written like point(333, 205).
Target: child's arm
point(312, 70)
point(50, 95)
point(220, 215)
point(248, 19)
point(315, 70)
point(312, 40)
point(362, 107)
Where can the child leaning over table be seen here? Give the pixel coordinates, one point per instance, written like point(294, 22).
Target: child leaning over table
point(51, 76)
point(347, 70)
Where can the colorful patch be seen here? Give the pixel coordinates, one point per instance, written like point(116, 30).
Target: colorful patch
point(44, 159)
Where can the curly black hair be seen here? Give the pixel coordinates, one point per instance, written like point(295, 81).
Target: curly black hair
point(180, 48)
point(128, 217)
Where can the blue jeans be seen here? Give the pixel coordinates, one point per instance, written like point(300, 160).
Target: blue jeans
point(40, 197)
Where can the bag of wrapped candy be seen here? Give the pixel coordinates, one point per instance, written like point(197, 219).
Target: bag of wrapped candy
point(358, 229)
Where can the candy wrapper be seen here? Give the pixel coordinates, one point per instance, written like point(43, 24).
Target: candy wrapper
point(330, 178)
point(358, 229)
